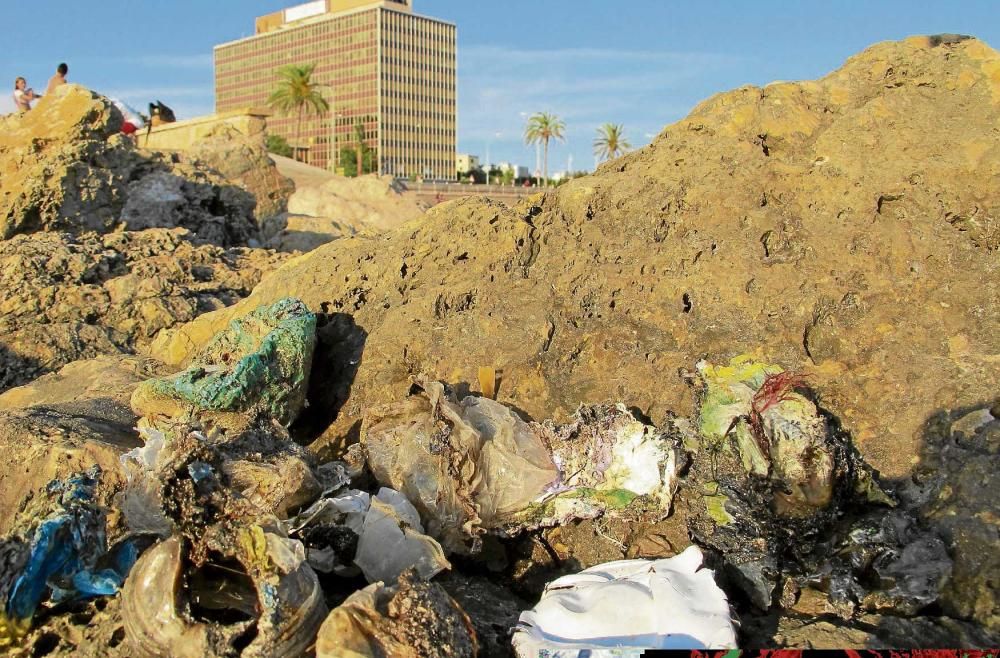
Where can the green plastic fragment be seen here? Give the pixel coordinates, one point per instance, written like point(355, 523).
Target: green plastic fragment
point(581, 502)
point(715, 504)
point(260, 361)
point(729, 390)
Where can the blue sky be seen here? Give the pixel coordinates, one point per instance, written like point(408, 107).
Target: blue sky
point(640, 63)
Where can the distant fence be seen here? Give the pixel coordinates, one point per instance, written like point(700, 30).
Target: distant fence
point(438, 192)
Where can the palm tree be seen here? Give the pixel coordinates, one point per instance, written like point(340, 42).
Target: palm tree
point(297, 93)
point(359, 138)
point(610, 142)
point(541, 128)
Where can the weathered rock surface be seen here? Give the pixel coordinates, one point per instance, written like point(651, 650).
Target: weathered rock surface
point(327, 207)
point(65, 422)
point(105, 377)
point(243, 159)
point(68, 297)
point(64, 166)
point(815, 223)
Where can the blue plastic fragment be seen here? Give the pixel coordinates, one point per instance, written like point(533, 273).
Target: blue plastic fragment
point(68, 557)
point(199, 471)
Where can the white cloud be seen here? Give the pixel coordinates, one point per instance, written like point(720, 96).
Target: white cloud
point(586, 87)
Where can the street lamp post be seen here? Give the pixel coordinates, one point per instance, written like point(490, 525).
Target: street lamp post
point(416, 146)
point(332, 165)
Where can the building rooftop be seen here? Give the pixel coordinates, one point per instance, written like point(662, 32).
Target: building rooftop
point(293, 15)
point(320, 10)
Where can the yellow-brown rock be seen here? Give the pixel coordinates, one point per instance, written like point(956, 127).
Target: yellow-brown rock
point(65, 166)
point(65, 297)
point(846, 227)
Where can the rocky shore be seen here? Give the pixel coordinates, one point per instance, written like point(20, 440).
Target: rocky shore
point(786, 305)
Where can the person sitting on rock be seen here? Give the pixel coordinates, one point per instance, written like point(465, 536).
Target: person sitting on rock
point(23, 95)
point(58, 79)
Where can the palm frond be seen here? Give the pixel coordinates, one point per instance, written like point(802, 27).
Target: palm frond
point(295, 91)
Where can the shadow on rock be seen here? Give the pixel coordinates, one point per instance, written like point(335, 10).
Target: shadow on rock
point(16, 369)
point(953, 491)
point(340, 345)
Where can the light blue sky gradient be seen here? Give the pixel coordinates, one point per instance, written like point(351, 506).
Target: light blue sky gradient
point(640, 63)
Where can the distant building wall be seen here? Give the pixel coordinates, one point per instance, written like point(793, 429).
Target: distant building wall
point(519, 171)
point(182, 135)
point(466, 162)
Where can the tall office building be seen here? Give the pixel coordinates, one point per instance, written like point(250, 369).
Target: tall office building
point(382, 67)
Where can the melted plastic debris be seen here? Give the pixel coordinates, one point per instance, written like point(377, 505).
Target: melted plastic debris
point(474, 466)
point(63, 556)
point(769, 465)
point(621, 608)
point(413, 618)
point(771, 484)
point(260, 362)
point(252, 595)
point(908, 565)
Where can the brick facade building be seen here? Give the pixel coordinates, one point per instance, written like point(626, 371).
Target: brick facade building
point(381, 66)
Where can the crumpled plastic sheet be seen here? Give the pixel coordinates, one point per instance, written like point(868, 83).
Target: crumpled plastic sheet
point(391, 537)
point(475, 465)
point(67, 556)
point(262, 360)
point(392, 540)
point(622, 608)
point(440, 454)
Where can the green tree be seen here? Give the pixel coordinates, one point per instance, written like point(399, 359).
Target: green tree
point(610, 142)
point(296, 93)
point(543, 127)
point(359, 146)
point(349, 160)
point(279, 145)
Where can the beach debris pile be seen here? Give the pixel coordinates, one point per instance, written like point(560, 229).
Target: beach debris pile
point(243, 543)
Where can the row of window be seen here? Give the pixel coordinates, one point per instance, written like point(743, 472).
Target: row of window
point(405, 90)
point(393, 127)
